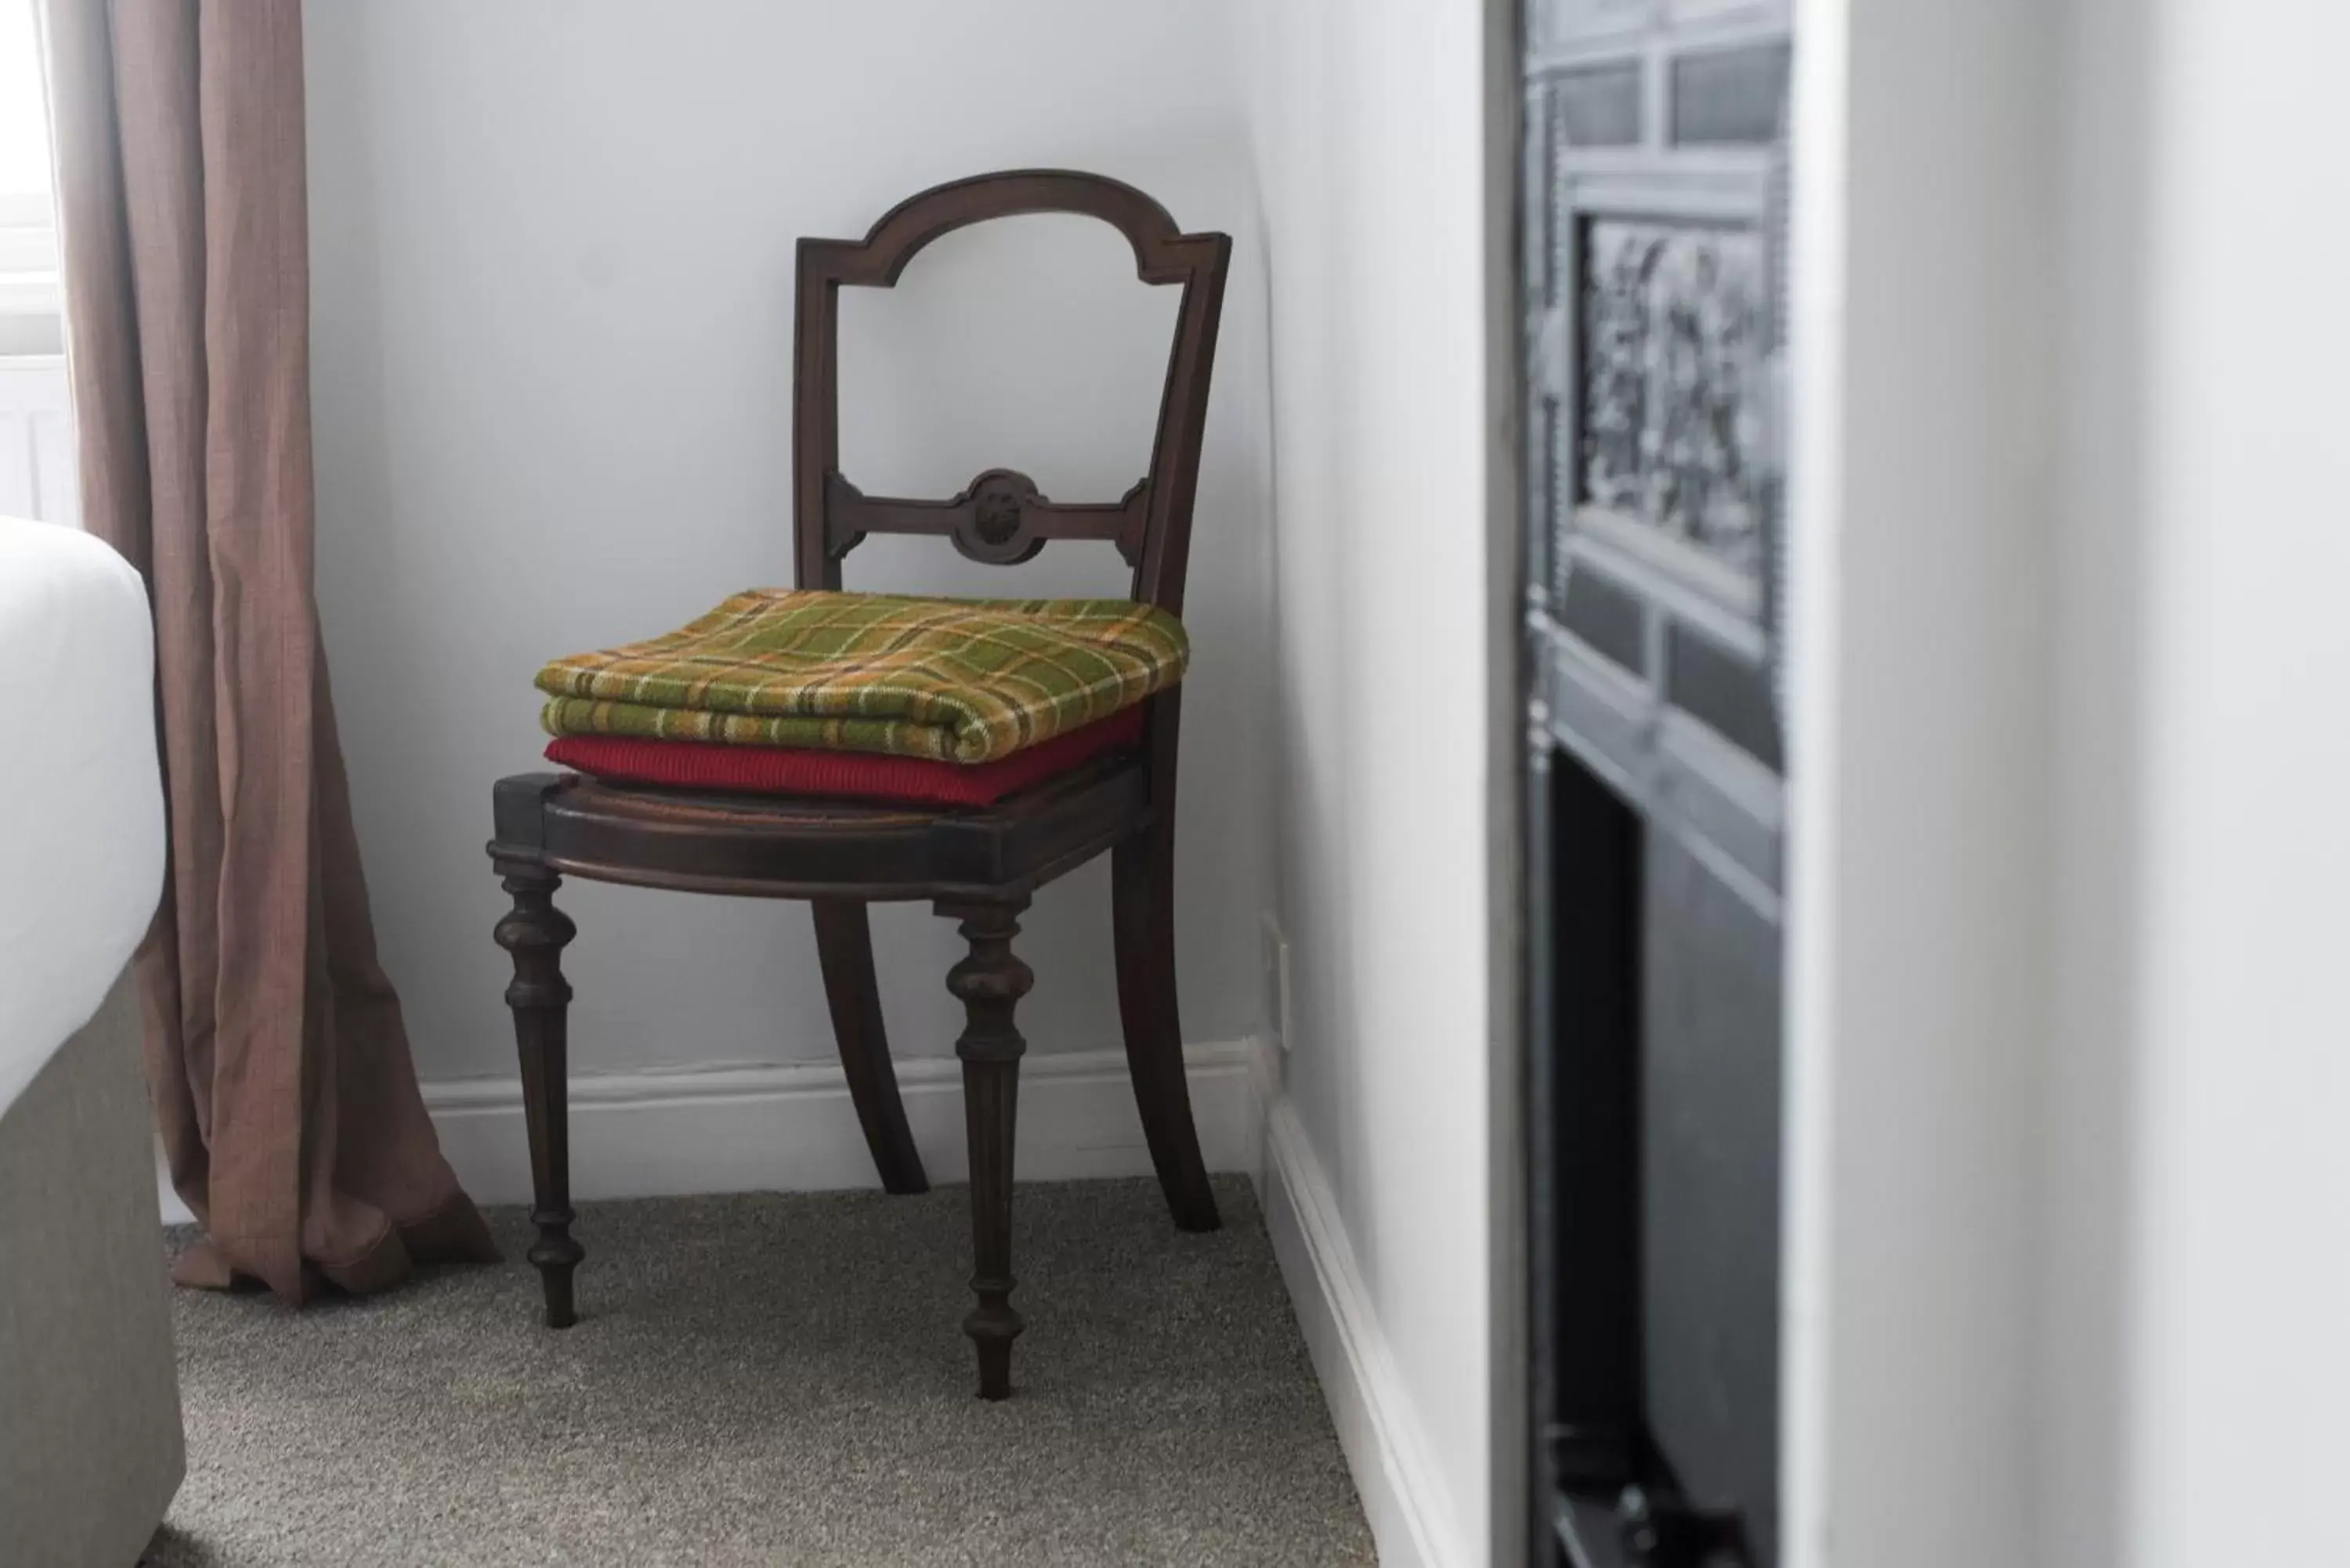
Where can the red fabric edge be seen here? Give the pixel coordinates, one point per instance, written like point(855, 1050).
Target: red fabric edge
point(853, 775)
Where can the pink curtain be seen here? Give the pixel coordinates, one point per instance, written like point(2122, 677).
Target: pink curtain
point(276, 1052)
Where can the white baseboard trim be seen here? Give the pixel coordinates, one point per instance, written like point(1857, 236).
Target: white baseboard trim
point(790, 1127)
point(1378, 1427)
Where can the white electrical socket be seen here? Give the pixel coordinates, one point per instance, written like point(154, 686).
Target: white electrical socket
point(1273, 963)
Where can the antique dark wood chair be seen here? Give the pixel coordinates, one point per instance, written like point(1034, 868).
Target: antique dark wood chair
point(977, 866)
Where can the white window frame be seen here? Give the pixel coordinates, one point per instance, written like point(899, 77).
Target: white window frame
point(28, 255)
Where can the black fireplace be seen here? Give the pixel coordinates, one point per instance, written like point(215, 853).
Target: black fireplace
point(1655, 1150)
point(1654, 286)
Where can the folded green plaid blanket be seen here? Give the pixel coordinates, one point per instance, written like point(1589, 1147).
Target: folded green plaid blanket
point(964, 680)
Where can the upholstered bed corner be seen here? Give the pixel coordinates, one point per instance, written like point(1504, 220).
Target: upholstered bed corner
point(90, 1444)
point(90, 1447)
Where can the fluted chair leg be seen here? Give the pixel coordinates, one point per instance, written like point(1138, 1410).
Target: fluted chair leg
point(990, 982)
point(535, 933)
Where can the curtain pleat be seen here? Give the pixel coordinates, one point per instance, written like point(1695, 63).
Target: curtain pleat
point(284, 1085)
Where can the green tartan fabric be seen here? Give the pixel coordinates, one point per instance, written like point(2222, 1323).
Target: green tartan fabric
point(961, 680)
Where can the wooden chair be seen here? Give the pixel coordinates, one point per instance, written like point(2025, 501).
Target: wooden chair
point(976, 865)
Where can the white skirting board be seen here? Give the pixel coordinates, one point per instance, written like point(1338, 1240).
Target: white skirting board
point(1378, 1429)
point(789, 1126)
point(791, 1129)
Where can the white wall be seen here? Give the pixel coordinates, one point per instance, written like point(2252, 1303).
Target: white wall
point(2207, 176)
point(1919, 779)
point(552, 248)
point(2067, 1034)
point(1368, 120)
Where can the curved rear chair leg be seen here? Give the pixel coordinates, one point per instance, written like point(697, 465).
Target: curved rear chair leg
point(990, 982)
point(844, 945)
point(535, 933)
point(1142, 901)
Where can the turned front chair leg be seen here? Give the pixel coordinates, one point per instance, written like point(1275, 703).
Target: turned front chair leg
point(535, 932)
point(990, 982)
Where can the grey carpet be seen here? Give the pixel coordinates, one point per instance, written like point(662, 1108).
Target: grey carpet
point(776, 1379)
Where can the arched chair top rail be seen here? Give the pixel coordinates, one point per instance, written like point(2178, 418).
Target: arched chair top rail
point(1162, 252)
point(1000, 517)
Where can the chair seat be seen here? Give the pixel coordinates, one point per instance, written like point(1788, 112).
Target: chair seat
point(806, 846)
point(840, 775)
point(953, 680)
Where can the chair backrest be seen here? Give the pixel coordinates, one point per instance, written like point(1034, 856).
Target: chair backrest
point(1000, 517)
